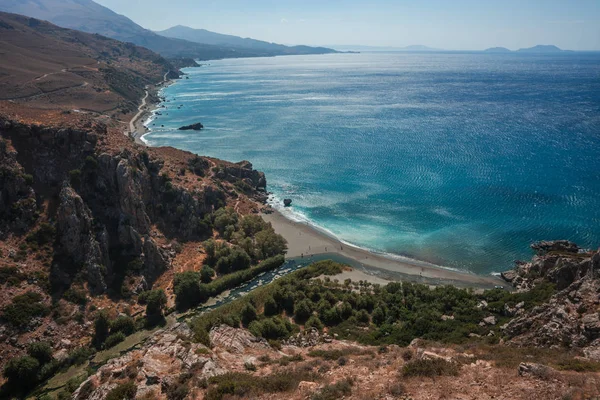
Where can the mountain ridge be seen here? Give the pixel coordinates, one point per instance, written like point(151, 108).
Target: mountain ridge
point(217, 39)
point(91, 17)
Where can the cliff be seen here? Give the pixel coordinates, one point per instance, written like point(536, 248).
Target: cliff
point(571, 317)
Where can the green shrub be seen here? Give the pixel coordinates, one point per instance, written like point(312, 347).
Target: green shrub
point(24, 308)
point(75, 296)
point(206, 274)
point(271, 308)
point(123, 324)
point(430, 368)
point(187, 290)
point(314, 322)
point(271, 328)
point(336, 391)
point(114, 339)
point(124, 391)
point(10, 275)
point(303, 310)
point(248, 314)
point(101, 329)
point(244, 385)
point(90, 163)
point(75, 177)
point(156, 301)
point(41, 351)
point(28, 179)
point(45, 234)
point(22, 372)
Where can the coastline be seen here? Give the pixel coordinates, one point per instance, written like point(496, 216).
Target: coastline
point(149, 103)
point(305, 241)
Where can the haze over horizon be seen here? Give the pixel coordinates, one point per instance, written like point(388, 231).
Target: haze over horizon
point(462, 25)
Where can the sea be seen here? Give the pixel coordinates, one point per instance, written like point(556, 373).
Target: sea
point(458, 159)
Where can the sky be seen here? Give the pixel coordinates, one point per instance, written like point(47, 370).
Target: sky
point(445, 24)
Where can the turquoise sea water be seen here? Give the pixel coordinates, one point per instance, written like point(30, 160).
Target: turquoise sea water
point(457, 159)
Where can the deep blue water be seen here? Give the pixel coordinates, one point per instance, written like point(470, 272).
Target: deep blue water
point(458, 159)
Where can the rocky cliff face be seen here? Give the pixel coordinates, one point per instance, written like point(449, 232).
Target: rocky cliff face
point(17, 198)
point(114, 210)
point(572, 316)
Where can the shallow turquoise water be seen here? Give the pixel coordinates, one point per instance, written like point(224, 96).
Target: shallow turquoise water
point(457, 159)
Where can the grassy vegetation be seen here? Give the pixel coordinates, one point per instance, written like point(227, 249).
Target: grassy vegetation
point(335, 391)
point(246, 385)
point(430, 368)
point(231, 313)
point(23, 309)
point(370, 314)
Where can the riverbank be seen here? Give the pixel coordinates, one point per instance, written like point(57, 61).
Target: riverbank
point(304, 241)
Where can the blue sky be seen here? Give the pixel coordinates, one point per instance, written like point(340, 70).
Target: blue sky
point(458, 24)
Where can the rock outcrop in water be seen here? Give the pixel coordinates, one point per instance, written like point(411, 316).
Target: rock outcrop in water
point(194, 127)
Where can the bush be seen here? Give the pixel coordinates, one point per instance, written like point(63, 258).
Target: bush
point(430, 368)
point(314, 322)
point(75, 177)
point(10, 275)
point(101, 329)
point(336, 391)
point(24, 308)
point(43, 235)
point(28, 179)
point(41, 351)
point(187, 290)
point(124, 391)
point(156, 301)
point(123, 324)
point(114, 339)
point(303, 310)
point(206, 274)
point(248, 314)
point(271, 328)
point(22, 372)
point(243, 385)
point(75, 296)
point(269, 244)
point(271, 307)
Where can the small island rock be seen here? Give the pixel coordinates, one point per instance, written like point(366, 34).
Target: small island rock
point(193, 127)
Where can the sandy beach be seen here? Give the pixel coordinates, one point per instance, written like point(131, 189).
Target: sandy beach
point(306, 241)
point(137, 129)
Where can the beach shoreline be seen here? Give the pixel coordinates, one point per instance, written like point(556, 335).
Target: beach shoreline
point(150, 102)
point(305, 241)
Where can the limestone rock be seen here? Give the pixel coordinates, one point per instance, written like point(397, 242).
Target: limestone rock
point(235, 340)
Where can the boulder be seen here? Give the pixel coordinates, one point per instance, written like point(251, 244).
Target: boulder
point(534, 370)
point(564, 246)
point(287, 202)
point(193, 127)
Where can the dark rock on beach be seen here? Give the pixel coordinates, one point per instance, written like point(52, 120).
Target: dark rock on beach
point(287, 202)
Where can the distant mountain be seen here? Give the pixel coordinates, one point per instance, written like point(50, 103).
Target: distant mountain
point(42, 62)
point(91, 17)
point(218, 39)
point(540, 48)
point(346, 47)
point(497, 50)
